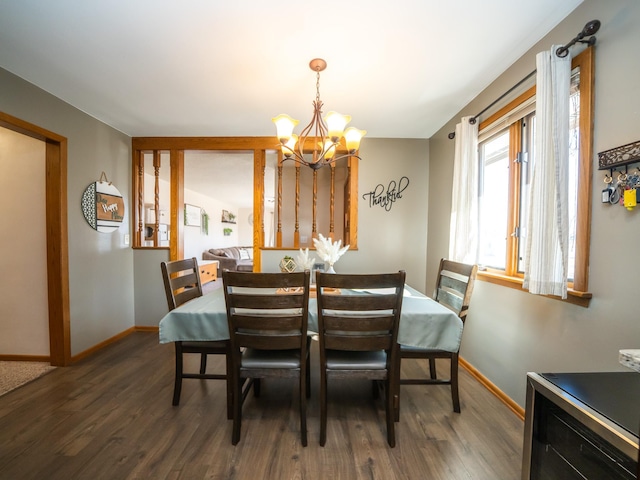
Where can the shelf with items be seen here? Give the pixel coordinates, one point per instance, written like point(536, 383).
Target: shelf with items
point(622, 187)
point(228, 217)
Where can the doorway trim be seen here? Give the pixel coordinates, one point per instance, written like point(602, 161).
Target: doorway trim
point(57, 236)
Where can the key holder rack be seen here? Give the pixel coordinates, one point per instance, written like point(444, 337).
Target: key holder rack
point(621, 186)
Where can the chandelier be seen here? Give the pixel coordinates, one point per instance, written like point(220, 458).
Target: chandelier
point(325, 134)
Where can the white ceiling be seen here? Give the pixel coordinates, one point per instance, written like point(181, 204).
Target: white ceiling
point(402, 69)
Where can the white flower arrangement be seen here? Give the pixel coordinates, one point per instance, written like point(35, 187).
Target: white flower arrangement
point(329, 251)
point(304, 261)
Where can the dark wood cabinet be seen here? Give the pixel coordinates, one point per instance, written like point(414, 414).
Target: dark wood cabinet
point(582, 426)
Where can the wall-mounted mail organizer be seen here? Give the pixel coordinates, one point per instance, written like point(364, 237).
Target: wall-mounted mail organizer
point(622, 186)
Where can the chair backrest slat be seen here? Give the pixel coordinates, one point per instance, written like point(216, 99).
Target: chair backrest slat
point(357, 343)
point(268, 300)
point(352, 323)
point(181, 281)
point(455, 286)
point(268, 342)
point(281, 322)
point(359, 302)
point(267, 311)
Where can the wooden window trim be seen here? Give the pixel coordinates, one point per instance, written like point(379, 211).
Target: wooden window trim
point(578, 290)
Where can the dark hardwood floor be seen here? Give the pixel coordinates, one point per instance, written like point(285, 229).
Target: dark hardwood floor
point(110, 417)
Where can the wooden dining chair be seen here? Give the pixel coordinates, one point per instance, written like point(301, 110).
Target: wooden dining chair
point(181, 284)
point(358, 335)
point(267, 315)
point(453, 290)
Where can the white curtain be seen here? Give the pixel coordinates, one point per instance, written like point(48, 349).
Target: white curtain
point(463, 230)
point(546, 254)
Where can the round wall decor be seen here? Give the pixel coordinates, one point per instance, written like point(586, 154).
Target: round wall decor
point(103, 206)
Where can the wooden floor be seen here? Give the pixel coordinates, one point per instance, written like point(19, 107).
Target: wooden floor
point(110, 417)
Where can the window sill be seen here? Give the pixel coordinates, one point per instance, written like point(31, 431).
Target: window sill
point(573, 296)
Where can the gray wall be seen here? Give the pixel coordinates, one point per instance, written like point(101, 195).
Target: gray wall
point(388, 240)
point(509, 332)
point(100, 265)
point(150, 302)
point(393, 239)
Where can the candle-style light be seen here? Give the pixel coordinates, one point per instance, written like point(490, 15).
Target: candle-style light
point(326, 133)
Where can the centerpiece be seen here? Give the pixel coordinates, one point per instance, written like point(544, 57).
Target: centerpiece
point(304, 261)
point(329, 251)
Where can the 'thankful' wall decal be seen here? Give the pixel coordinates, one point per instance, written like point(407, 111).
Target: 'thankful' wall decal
point(385, 198)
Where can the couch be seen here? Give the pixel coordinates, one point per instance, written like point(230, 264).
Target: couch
point(231, 258)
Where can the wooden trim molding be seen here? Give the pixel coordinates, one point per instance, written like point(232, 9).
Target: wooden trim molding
point(484, 381)
point(115, 338)
point(148, 329)
point(25, 358)
point(573, 296)
point(57, 236)
point(101, 345)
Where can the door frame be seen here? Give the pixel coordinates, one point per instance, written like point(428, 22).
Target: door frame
point(57, 236)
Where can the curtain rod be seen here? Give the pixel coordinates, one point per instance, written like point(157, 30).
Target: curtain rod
point(588, 31)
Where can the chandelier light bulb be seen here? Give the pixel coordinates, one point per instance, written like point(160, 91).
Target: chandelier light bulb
point(329, 148)
point(352, 138)
point(336, 124)
point(284, 127)
point(289, 145)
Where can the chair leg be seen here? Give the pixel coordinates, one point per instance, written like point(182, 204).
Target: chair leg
point(203, 363)
point(303, 407)
point(308, 378)
point(256, 387)
point(432, 368)
point(177, 387)
point(389, 412)
point(396, 391)
point(323, 406)
point(308, 366)
point(237, 408)
point(375, 389)
point(455, 397)
point(229, 382)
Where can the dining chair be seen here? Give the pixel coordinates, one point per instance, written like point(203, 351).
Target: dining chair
point(267, 315)
point(453, 290)
point(181, 284)
point(358, 318)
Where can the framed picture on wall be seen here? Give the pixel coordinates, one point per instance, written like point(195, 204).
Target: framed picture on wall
point(192, 215)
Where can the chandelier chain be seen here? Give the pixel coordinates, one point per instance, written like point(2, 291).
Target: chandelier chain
point(318, 87)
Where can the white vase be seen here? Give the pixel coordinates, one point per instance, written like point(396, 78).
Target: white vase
point(331, 270)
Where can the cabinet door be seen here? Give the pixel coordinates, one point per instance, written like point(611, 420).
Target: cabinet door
point(567, 449)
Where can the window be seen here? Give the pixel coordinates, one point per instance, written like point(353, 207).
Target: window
point(506, 157)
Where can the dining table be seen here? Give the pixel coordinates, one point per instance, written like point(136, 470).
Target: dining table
point(423, 321)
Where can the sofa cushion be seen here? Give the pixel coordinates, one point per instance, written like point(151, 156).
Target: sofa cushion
point(244, 266)
point(230, 258)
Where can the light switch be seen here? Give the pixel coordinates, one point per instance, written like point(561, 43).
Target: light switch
point(126, 239)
